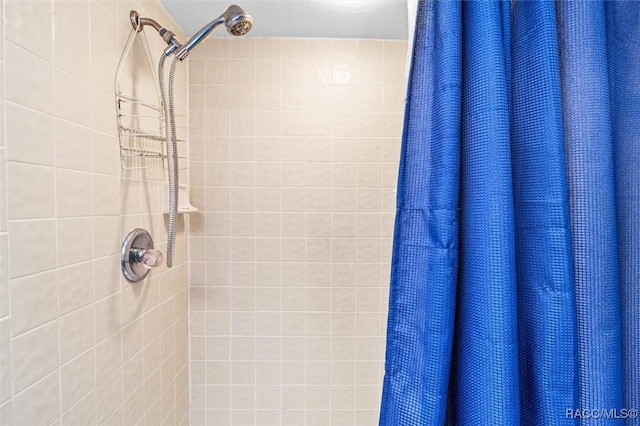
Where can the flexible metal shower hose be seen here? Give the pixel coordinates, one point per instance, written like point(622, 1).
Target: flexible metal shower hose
point(172, 152)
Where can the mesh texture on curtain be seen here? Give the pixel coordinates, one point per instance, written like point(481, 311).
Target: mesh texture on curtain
point(425, 258)
point(623, 47)
point(522, 120)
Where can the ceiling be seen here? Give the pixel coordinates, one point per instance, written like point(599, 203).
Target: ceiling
point(377, 19)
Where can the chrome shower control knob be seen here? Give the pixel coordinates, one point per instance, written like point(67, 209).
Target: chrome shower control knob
point(138, 256)
point(149, 258)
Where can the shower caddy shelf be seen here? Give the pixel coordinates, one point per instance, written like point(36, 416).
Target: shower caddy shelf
point(141, 146)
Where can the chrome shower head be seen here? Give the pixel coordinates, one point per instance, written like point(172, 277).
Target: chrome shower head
point(237, 21)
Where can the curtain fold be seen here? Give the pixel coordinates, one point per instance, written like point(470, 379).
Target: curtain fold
point(418, 356)
point(515, 274)
point(546, 296)
point(623, 43)
point(485, 353)
point(589, 147)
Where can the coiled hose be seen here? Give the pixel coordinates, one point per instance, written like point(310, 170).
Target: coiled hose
point(172, 151)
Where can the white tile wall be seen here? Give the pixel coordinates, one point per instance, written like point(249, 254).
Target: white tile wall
point(294, 153)
point(78, 344)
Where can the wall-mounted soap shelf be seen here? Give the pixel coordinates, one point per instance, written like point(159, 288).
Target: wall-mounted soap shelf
point(184, 205)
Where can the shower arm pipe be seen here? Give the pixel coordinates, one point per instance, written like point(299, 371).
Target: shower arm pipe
point(141, 22)
point(138, 23)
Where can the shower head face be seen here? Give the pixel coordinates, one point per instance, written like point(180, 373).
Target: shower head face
point(237, 21)
point(240, 26)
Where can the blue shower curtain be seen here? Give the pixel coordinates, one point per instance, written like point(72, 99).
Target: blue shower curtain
point(515, 280)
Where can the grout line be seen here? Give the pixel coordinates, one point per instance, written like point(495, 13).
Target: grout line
point(280, 292)
point(55, 211)
point(255, 253)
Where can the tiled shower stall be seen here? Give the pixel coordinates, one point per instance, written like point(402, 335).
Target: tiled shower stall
point(274, 312)
point(294, 147)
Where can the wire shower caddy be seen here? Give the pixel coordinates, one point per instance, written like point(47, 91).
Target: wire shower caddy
point(141, 123)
